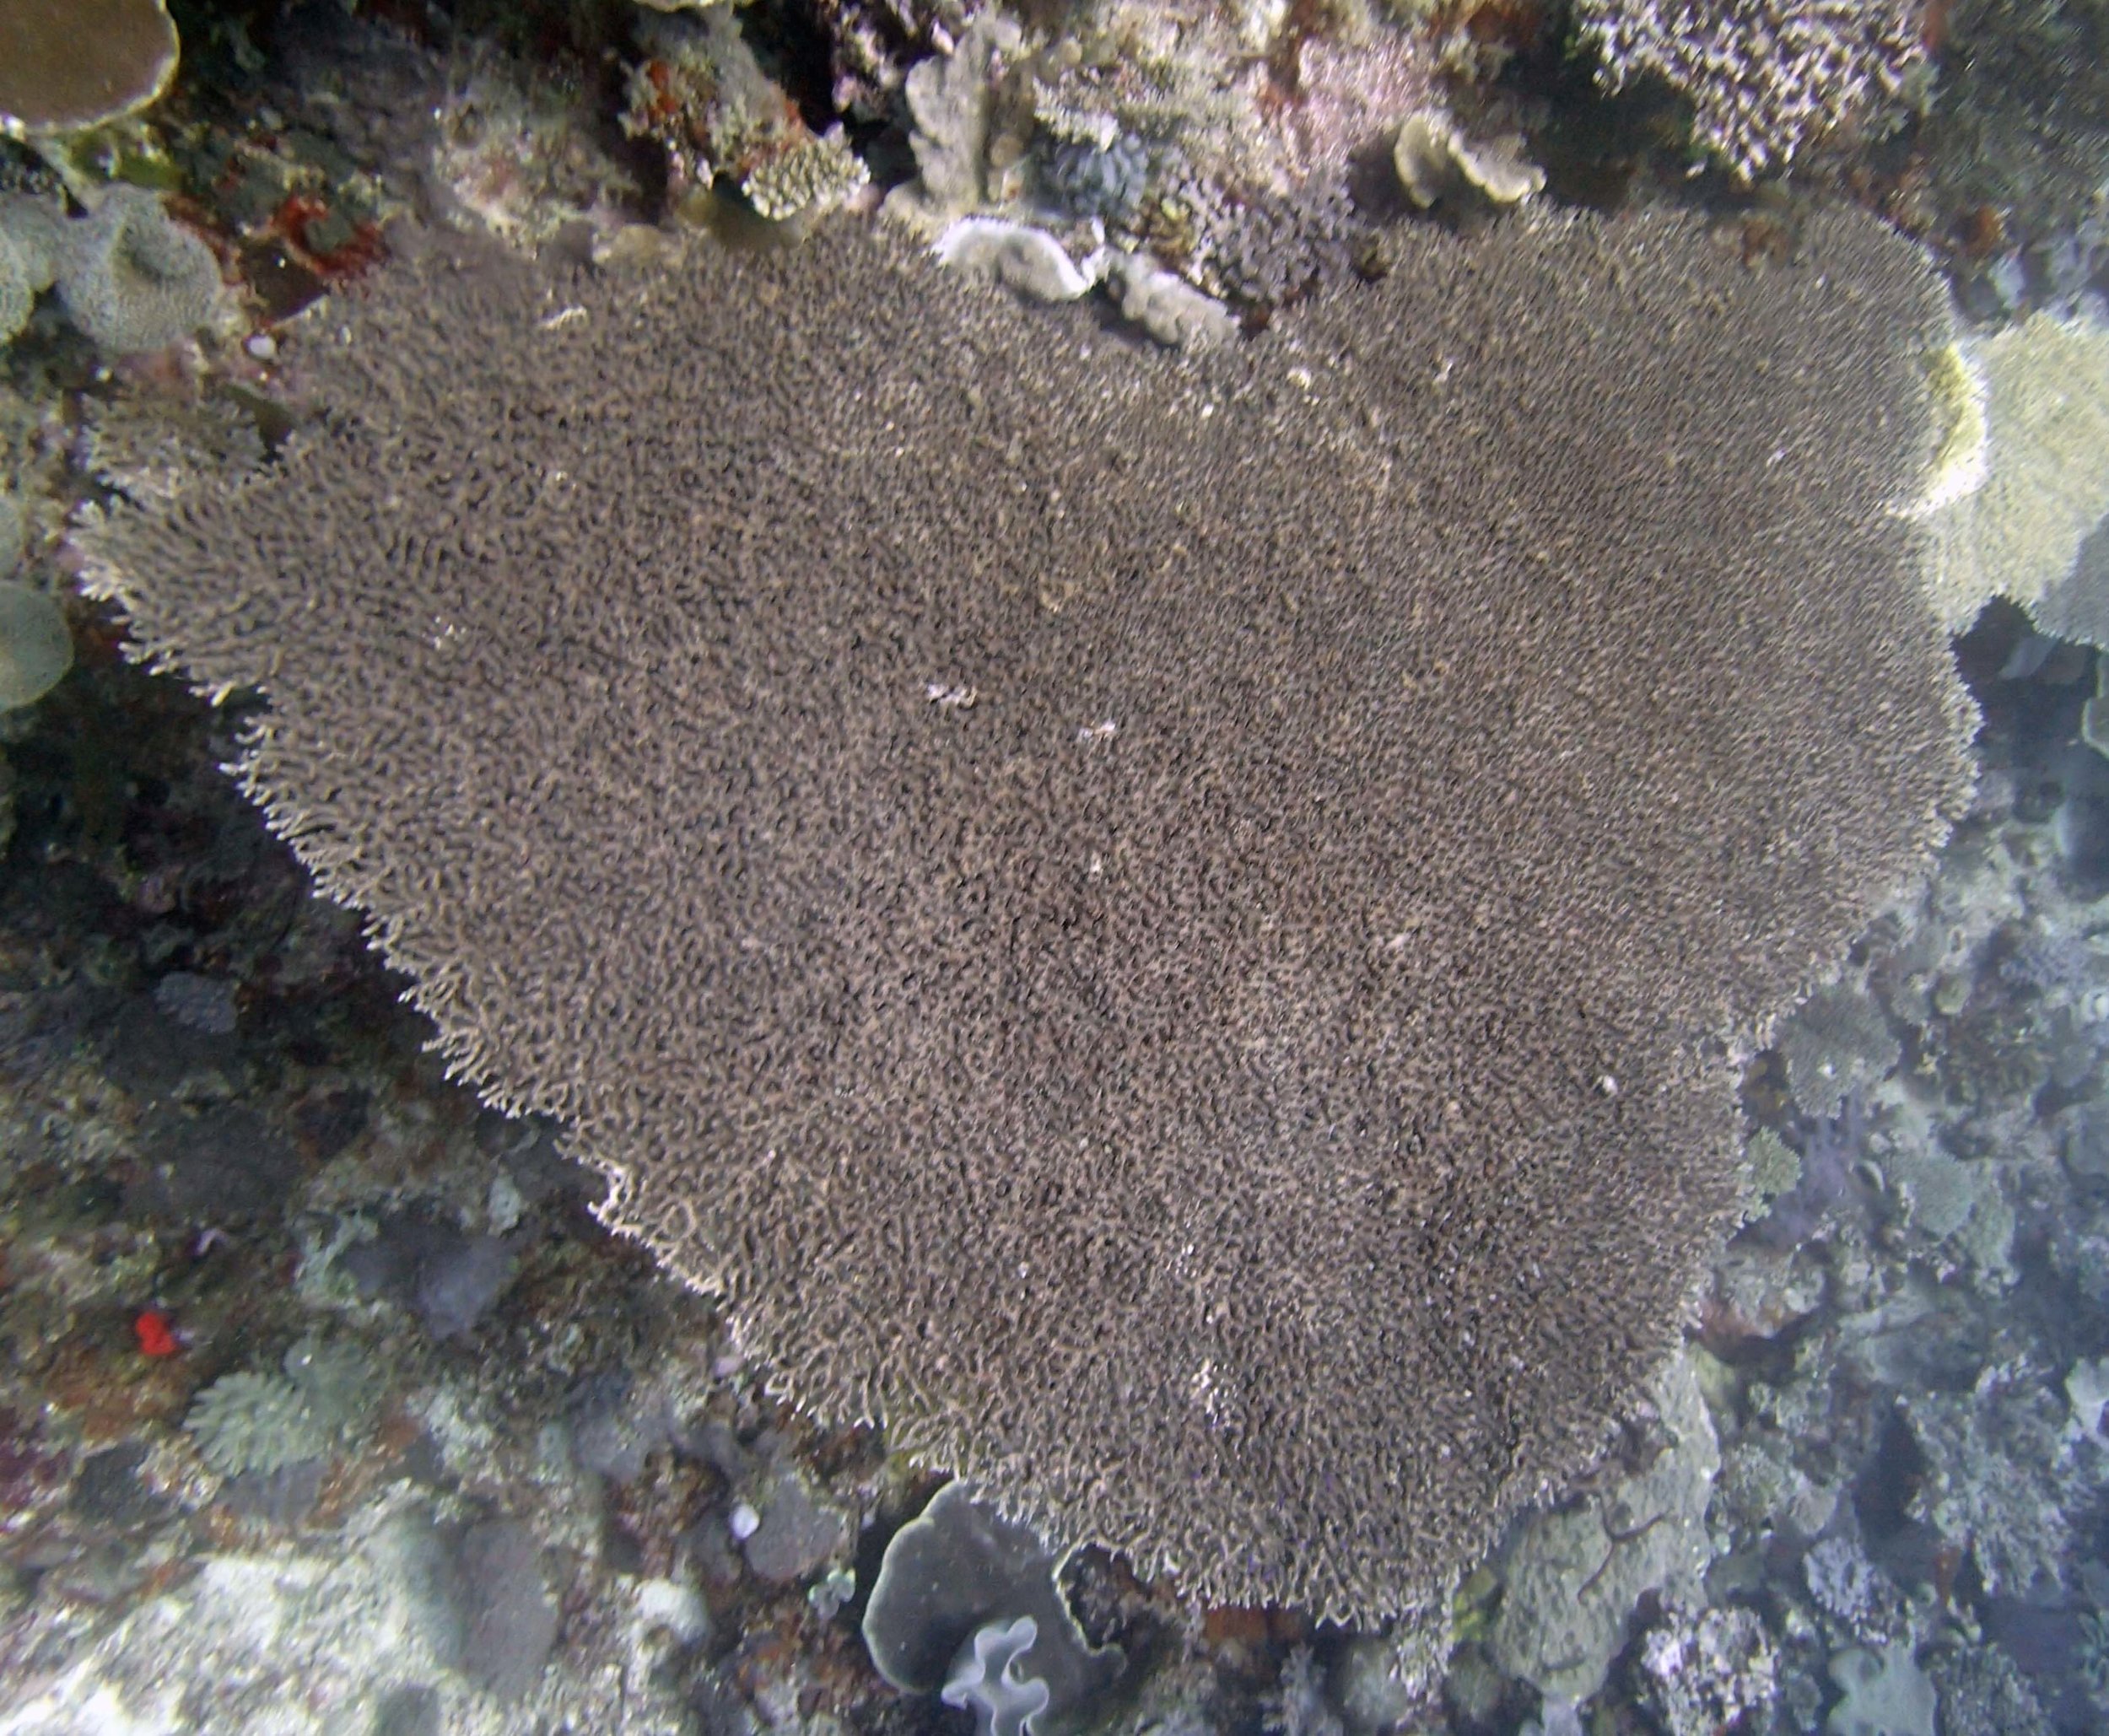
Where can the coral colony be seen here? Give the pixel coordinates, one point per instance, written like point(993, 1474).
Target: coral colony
point(1148, 893)
point(1108, 870)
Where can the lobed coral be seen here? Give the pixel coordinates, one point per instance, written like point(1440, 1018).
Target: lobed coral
point(1154, 923)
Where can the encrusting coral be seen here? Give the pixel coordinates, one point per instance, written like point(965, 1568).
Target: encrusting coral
point(2030, 408)
point(1157, 923)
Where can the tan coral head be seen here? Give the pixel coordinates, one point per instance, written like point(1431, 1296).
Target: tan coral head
point(69, 64)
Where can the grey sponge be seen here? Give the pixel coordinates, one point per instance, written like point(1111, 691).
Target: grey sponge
point(28, 236)
point(36, 647)
point(132, 279)
point(17, 295)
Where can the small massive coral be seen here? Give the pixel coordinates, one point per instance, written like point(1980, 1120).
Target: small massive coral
point(132, 279)
point(126, 275)
point(1161, 924)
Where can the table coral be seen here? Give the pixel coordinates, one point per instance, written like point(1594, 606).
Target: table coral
point(1162, 915)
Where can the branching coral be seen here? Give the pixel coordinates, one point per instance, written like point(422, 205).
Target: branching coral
point(1766, 76)
point(1154, 923)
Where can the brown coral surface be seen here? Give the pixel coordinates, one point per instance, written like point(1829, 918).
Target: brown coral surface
point(1155, 921)
point(79, 64)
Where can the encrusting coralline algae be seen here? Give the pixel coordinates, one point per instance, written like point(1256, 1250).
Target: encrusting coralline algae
point(1152, 924)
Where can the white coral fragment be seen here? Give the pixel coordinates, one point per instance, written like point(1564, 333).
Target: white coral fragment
point(1029, 260)
point(1168, 307)
point(2087, 1391)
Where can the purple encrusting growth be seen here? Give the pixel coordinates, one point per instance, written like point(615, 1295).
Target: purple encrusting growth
point(448, 1278)
point(1829, 1150)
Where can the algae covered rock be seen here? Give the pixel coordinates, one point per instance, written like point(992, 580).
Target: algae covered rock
point(1571, 1586)
point(36, 647)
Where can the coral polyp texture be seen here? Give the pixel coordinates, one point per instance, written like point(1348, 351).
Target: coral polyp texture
point(1157, 923)
point(1766, 76)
